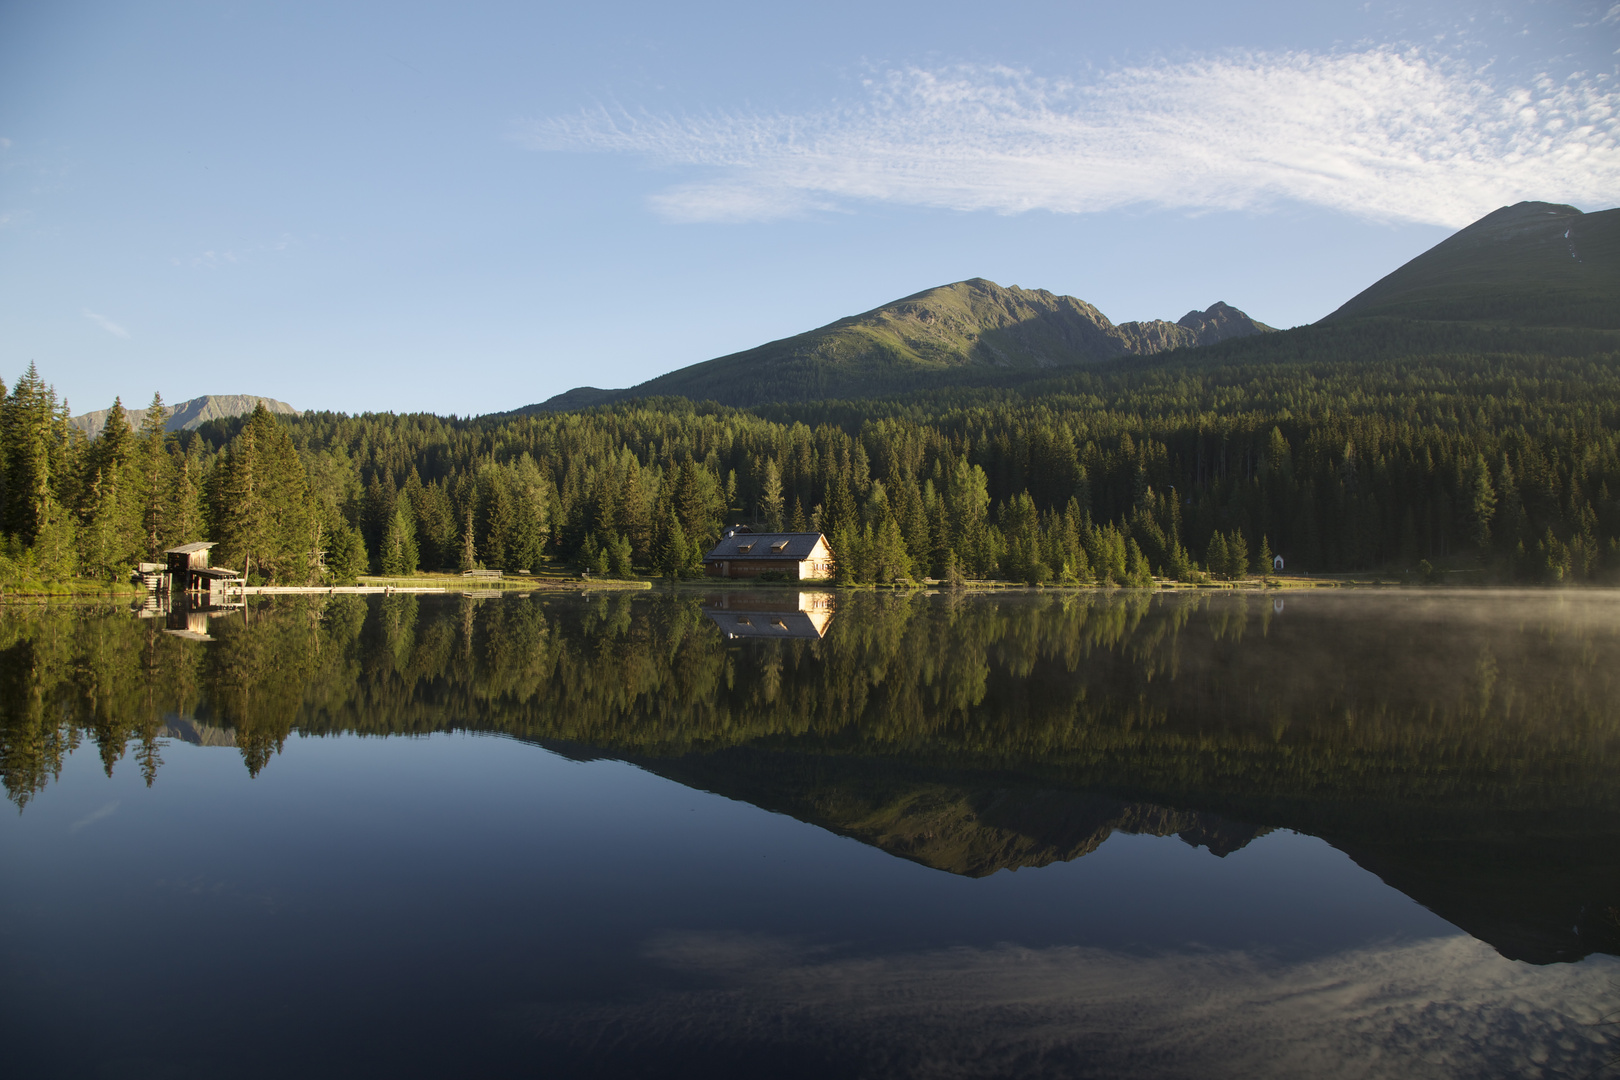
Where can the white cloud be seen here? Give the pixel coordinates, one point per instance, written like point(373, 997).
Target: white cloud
point(1383, 134)
point(106, 324)
point(1435, 1008)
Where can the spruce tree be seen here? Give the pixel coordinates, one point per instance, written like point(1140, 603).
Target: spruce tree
point(154, 479)
point(27, 420)
point(770, 497)
point(400, 551)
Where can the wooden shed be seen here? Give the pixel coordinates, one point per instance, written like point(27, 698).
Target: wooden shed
point(190, 575)
point(740, 554)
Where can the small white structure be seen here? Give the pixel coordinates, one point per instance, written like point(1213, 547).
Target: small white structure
point(1277, 563)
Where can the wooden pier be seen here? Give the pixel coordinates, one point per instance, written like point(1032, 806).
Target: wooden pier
point(331, 590)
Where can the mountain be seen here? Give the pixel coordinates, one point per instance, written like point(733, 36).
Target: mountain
point(188, 415)
point(1530, 264)
point(1546, 275)
point(969, 326)
point(969, 827)
point(1534, 881)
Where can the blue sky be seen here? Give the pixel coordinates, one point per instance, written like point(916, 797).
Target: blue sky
point(467, 208)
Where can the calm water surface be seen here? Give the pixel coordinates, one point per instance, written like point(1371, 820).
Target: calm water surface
point(783, 834)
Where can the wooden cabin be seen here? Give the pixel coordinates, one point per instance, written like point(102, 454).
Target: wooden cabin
point(740, 554)
point(190, 575)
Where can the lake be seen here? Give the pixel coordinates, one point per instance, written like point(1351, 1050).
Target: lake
point(772, 833)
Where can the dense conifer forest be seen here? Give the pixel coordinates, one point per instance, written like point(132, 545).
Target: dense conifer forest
point(1373, 446)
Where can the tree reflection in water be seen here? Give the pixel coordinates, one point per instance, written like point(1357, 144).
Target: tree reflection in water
point(1461, 746)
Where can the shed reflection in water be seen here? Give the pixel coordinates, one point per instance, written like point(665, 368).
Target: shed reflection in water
point(1462, 748)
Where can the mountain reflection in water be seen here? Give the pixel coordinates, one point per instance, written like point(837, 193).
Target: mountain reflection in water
point(1462, 747)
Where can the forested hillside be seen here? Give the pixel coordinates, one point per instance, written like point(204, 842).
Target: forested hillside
point(1461, 414)
point(1368, 444)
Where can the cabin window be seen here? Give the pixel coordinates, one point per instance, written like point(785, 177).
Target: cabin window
point(744, 549)
point(779, 547)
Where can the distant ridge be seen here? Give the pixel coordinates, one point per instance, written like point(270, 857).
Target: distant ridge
point(188, 415)
point(1530, 264)
point(926, 338)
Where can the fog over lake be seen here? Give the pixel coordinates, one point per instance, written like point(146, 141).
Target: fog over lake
point(745, 833)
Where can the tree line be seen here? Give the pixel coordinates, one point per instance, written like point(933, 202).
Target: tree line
point(1503, 463)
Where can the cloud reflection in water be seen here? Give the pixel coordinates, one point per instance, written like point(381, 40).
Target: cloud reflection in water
point(1441, 1007)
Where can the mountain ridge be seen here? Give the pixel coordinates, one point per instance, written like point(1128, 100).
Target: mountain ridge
point(188, 415)
point(1529, 264)
point(964, 326)
point(1530, 268)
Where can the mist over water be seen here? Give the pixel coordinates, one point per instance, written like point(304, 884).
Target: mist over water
point(1026, 833)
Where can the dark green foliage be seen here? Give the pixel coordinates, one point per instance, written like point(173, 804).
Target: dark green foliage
point(346, 559)
point(399, 551)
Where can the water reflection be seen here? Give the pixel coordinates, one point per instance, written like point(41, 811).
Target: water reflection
point(779, 615)
point(1379, 1011)
point(1462, 748)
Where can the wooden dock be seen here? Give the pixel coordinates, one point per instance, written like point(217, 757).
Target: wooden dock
point(332, 590)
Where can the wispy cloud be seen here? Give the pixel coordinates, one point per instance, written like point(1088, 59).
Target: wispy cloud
point(220, 258)
point(106, 324)
point(1384, 134)
point(213, 260)
point(106, 810)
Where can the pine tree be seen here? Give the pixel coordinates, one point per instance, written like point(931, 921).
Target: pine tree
point(400, 552)
point(154, 477)
point(1481, 504)
point(469, 550)
point(346, 556)
point(27, 419)
point(1237, 555)
point(619, 555)
point(770, 497)
point(184, 505)
point(1138, 575)
point(110, 526)
point(889, 560)
point(677, 553)
point(262, 515)
point(1216, 558)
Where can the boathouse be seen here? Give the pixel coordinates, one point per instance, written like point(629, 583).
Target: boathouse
point(190, 575)
point(802, 556)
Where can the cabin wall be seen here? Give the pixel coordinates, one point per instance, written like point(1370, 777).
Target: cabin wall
point(749, 568)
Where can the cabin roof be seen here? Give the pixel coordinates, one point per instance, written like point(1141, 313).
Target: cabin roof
point(771, 624)
point(189, 549)
point(766, 546)
point(216, 572)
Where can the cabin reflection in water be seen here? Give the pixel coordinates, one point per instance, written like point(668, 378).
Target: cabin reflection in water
point(771, 615)
point(188, 621)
